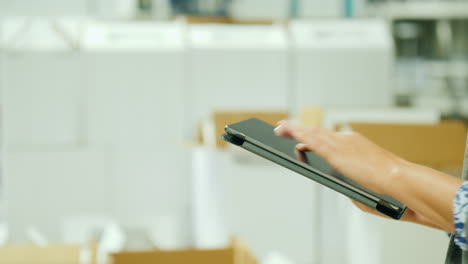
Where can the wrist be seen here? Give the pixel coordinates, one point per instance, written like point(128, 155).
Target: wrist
point(428, 192)
point(397, 176)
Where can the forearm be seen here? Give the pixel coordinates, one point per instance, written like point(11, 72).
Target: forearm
point(428, 192)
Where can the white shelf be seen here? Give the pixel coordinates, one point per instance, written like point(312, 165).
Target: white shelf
point(421, 10)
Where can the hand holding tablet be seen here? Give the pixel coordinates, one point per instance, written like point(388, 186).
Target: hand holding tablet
point(258, 137)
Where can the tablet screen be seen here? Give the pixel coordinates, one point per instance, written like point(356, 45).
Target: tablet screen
point(263, 133)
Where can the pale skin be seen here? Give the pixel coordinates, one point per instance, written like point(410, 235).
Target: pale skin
point(427, 193)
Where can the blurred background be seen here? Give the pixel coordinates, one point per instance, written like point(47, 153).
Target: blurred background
point(111, 113)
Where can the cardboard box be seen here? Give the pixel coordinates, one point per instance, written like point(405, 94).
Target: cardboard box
point(221, 119)
point(311, 116)
point(440, 146)
point(55, 254)
point(235, 254)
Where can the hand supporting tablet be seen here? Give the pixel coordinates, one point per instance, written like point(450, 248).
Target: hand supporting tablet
point(258, 137)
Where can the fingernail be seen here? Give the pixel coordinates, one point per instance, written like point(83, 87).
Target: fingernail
point(277, 128)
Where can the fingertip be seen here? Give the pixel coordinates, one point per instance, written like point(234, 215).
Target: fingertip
point(284, 123)
point(301, 147)
point(280, 122)
point(278, 130)
point(284, 129)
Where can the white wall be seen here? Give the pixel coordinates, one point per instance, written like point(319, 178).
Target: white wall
point(320, 9)
point(260, 9)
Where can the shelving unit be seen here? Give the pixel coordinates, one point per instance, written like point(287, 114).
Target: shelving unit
point(431, 55)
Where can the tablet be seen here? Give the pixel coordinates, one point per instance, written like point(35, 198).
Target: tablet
point(259, 138)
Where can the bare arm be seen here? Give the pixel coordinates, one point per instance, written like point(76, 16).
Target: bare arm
point(427, 192)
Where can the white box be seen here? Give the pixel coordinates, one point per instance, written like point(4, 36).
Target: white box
point(42, 78)
point(41, 103)
point(143, 184)
point(401, 242)
point(41, 187)
point(236, 68)
point(266, 205)
point(342, 63)
point(372, 239)
point(210, 226)
point(136, 82)
point(44, 7)
point(26, 34)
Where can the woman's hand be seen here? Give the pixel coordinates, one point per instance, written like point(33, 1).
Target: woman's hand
point(350, 153)
point(409, 216)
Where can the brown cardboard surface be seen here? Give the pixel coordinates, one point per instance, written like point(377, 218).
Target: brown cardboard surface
point(237, 254)
point(54, 254)
point(311, 116)
point(440, 146)
point(221, 119)
point(175, 257)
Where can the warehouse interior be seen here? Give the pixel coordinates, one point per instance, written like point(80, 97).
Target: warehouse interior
point(111, 114)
